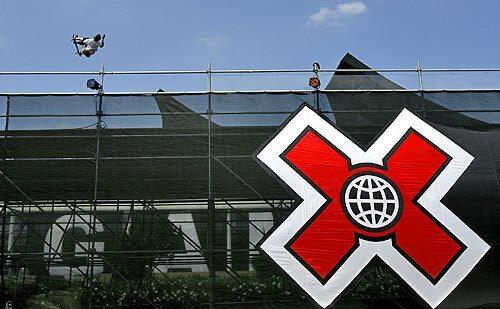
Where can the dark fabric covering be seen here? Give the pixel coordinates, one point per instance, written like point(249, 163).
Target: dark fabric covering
point(158, 147)
point(377, 109)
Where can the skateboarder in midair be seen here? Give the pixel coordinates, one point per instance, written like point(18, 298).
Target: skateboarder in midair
point(90, 46)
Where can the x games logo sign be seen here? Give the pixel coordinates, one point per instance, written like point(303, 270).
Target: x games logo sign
point(357, 204)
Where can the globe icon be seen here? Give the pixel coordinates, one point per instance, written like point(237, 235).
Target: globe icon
point(372, 201)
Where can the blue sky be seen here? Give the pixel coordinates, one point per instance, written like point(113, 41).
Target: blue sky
point(34, 35)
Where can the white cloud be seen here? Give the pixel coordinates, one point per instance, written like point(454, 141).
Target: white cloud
point(334, 16)
point(352, 8)
point(214, 41)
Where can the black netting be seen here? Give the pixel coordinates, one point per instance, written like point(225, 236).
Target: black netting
point(130, 199)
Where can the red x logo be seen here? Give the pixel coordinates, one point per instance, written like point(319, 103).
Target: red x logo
point(355, 204)
point(329, 237)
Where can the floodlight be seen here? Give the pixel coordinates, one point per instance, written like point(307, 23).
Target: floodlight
point(93, 84)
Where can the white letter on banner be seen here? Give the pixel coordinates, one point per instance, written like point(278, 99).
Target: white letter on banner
point(259, 224)
point(82, 222)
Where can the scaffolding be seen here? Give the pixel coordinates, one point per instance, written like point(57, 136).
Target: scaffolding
point(92, 190)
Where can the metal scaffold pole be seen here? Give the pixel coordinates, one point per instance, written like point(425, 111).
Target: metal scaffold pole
point(421, 86)
point(420, 79)
point(4, 208)
point(316, 90)
point(211, 203)
point(99, 114)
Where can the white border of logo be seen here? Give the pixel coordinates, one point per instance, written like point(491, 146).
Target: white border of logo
point(325, 295)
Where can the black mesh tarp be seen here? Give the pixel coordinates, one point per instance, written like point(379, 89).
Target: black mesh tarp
point(162, 150)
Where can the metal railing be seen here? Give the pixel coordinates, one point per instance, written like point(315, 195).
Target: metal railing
point(249, 71)
point(211, 74)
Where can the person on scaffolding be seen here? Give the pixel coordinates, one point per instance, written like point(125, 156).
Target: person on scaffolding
point(90, 46)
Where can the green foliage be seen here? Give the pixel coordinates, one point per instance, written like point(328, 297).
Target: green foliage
point(180, 292)
point(18, 292)
point(56, 300)
point(192, 291)
point(148, 235)
point(377, 282)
